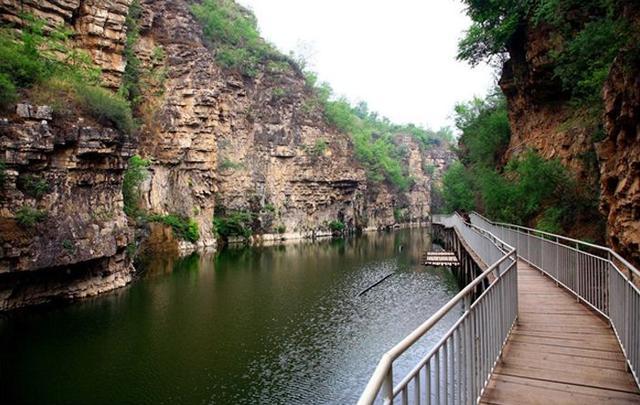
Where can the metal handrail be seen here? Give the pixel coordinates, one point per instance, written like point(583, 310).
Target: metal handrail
point(570, 241)
point(596, 280)
point(477, 335)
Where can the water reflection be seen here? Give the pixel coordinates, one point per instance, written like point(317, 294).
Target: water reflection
point(281, 324)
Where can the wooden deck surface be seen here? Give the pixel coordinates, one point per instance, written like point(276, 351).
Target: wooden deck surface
point(559, 353)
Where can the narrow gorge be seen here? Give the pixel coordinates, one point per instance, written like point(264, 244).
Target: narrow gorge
point(252, 149)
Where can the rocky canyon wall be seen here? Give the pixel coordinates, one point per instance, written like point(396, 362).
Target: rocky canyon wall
point(217, 142)
point(543, 117)
point(63, 232)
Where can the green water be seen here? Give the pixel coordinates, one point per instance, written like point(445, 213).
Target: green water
point(272, 325)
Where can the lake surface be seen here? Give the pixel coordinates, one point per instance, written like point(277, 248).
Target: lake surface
point(272, 325)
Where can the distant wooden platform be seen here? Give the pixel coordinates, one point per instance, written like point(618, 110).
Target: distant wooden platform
point(441, 259)
point(559, 353)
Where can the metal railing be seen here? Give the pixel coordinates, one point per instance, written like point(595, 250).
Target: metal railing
point(458, 367)
point(596, 275)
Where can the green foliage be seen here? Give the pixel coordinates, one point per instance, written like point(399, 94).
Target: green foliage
point(583, 64)
point(8, 91)
point(132, 250)
point(398, 215)
point(130, 88)
point(457, 189)
point(68, 246)
point(29, 217)
point(428, 169)
point(336, 226)
point(274, 66)
point(527, 190)
point(33, 186)
point(590, 34)
point(233, 32)
point(484, 124)
point(281, 229)
point(319, 147)
point(3, 173)
point(375, 140)
point(183, 227)
point(228, 164)
point(270, 208)
point(551, 220)
point(106, 107)
point(238, 223)
point(61, 71)
point(278, 92)
point(136, 173)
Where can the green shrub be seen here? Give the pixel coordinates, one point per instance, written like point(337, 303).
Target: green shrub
point(457, 189)
point(183, 227)
point(336, 226)
point(28, 217)
point(551, 220)
point(33, 58)
point(8, 91)
point(428, 169)
point(106, 107)
point(228, 164)
point(398, 215)
point(33, 186)
point(278, 92)
point(136, 173)
point(3, 173)
point(270, 208)
point(130, 87)
point(319, 147)
point(238, 223)
point(484, 124)
point(589, 33)
point(68, 246)
point(132, 250)
point(233, 32)
point(281, 229)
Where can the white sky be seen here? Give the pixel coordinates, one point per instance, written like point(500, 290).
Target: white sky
point(397, 55)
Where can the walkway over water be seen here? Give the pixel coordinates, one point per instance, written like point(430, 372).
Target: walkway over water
point(558, 352)
point(550, 320)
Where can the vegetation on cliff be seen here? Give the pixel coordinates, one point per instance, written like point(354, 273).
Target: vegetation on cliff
point(233, 35)
point(57, 74)
point(234, 224)
point(527, 190)
point(589, 34)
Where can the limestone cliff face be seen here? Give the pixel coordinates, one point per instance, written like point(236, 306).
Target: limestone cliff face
point(99, 25)
point(222, 142)
point(619, 156)
point(63, 232)
point(386, 206)
point(539, 111)
point(543, 118)
point(218, 142)
point(182, 115)
point(69, 175)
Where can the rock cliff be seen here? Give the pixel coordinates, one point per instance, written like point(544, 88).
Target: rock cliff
point(218, 142)
point(603, 157)
point(63, 232)
point(619, 154)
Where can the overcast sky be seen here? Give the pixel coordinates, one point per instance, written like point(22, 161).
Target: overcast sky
point(398, 56)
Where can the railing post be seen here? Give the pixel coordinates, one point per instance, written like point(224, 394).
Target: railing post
point(387, 386)
point(578, 292)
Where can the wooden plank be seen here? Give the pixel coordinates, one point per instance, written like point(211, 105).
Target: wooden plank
point(518, 390)
point(560, 352)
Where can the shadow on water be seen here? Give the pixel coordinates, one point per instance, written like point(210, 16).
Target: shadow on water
point(280, 324)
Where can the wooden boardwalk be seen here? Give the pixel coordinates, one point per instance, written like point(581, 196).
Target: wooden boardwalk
point(560, 352)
